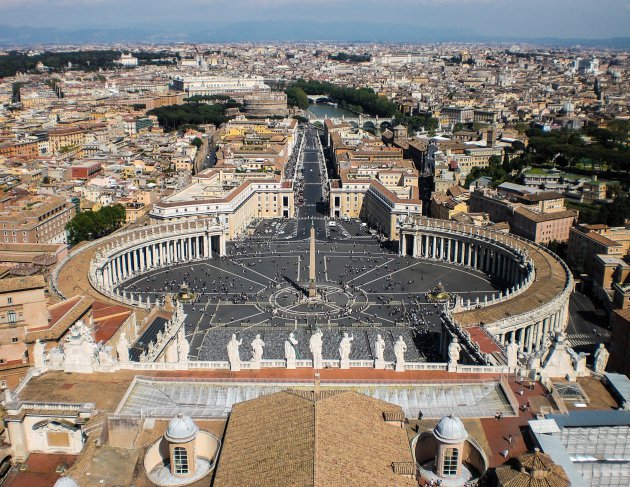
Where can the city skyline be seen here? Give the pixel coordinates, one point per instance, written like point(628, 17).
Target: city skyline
point(347, 20)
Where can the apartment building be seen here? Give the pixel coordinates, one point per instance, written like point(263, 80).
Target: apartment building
point(22, 306)
point(375, 182)
point(256, 145)
point(540, 216)
point(444, 205)
point(587, 241)
point(594, 190)
point(26, 218)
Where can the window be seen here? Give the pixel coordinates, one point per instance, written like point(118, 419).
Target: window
point(15, 339)
point(9, 300)
point(450, 462)
point(180, 460)
point(12, 317)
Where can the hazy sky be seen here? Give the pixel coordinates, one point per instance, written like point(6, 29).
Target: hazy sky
point(518, 18)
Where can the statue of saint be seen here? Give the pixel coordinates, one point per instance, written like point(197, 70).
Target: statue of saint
point(315, 345)
point(512, 354)
point(290, 352)
point(122, 348)
point(232, 350)
point(379, 348)
point(400, 347)
point(257, 348)
point(345, 346)
point(601, 359)
point(39, 350)
point(453, 351)
point(183, 348)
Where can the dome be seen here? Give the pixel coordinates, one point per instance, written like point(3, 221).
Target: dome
point(66, 482)
point(181, 429)
point(450, 430)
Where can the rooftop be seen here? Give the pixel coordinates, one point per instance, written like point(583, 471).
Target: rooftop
point(307, 438)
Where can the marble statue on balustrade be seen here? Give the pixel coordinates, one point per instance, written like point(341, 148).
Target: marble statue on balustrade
point(233, 354)
point(257, 351)
point(39, 351)
point(105, 358)
point(400, 347)
point(345, 347)
point(79, 349)
point(183, 347)
point(379, 350)
point(122, 348)
point(315, 346)
point(80, 353)
point(512, 354)
point(561, 361)
point(579, 362)
point(601, 359)
point(290, 351)
point(55, 358)
point(454, 350)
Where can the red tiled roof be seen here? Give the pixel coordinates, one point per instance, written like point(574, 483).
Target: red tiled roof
point(42, 470)
point(56, 311)
point(108, 319)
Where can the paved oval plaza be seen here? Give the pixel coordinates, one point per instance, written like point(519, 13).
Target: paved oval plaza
point(261, 287)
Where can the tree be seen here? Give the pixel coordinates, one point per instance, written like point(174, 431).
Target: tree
point(197, 142)
point(359, 99)
point(296, 97)
point(89, 225)
point(558, 248)
point(172, 117)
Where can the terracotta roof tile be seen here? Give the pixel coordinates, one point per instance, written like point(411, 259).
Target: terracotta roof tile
point(319, 439)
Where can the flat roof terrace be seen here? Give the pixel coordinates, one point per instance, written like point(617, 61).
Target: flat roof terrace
point(151, 397)
point(112, 391)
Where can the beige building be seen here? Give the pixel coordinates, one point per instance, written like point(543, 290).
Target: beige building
point(25, 317)
point(445, 205)
point(235, 198)
point(375, 183)
point(34, 219)
point(256, 146)
point(540, 216)
point(587, 241)
point(594, 190)
point(22, 306)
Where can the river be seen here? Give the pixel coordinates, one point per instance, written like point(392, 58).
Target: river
point(320, 110)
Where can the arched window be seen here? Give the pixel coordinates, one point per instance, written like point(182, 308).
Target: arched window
point(12, 317)
point(180, 460)
point(451, 456)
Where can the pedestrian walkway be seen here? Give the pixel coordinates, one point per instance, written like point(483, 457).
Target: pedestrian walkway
point(584, 339)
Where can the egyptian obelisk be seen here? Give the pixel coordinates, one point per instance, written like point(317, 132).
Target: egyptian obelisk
point(312, 289)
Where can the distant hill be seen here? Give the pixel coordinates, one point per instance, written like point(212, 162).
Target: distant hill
point(276, 31)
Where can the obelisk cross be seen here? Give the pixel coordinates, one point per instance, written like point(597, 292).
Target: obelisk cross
point(312, 289)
